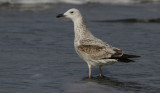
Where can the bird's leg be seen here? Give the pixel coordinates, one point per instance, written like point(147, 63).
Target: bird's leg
point(100, 71)
point(90, 71)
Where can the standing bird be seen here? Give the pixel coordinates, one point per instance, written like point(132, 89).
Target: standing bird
point(92, 50)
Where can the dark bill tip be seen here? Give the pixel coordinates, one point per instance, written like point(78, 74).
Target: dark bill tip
point(60, 15)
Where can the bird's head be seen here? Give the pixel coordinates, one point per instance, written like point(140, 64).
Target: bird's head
point(71, 13)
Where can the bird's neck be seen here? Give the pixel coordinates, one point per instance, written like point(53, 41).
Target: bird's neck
point(80, 29)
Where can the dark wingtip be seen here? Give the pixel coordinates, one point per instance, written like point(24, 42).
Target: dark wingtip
point(125, 60)
point(130, 56)
point(60, 15)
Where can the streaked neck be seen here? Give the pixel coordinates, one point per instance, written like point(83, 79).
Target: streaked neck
point(80, 28)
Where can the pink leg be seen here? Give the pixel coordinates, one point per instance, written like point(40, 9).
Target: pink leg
point(100, 71)
point(90, 71)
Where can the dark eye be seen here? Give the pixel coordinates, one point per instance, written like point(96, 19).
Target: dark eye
point(71, 12)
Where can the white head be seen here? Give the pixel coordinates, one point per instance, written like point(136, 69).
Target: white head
point(71, 13)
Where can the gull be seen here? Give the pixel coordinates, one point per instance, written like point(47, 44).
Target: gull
point(91, 49)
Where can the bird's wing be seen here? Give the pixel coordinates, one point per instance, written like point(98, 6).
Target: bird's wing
point(99, 50)
point(96, 41)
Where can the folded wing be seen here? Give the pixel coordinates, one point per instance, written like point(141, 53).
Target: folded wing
point(99, 51)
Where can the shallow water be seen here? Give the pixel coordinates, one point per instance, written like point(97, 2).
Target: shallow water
point(37, 53)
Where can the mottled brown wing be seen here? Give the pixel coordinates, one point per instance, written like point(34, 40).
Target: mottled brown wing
point(96, 42)
point(90, 49)
point(99, 52)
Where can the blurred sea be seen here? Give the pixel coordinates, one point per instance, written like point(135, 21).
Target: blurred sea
point(80, 1)
point(37, 53)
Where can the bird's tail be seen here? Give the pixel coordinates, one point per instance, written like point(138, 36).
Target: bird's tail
point(126, 58)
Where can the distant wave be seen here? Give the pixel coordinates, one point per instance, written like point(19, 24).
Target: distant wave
point(132, 20)
point(79, 1)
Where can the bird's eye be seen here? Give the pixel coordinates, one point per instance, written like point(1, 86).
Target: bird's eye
point(71, 12)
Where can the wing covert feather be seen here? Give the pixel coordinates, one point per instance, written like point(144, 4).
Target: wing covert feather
point(99, 51)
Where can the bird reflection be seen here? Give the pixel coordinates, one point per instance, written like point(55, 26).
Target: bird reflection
point(114, 83)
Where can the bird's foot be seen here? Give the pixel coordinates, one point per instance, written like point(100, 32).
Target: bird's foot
point(101, 76)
